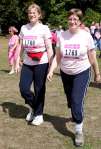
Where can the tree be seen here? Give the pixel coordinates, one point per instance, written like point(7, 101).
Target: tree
point(13, 12)
point(84, 4)
point(90, 16)
point(10, 15)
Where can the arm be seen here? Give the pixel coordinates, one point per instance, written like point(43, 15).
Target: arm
point(49, 50)
point(19, 54)
point(94, 63)
point(54, 64)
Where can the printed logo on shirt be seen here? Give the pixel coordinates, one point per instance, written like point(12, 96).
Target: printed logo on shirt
point(71, 50)
point(33, 44)
point(29, 41)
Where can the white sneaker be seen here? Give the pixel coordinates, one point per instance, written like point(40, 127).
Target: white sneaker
point(11, 72)
point(37, 120)
point(79, 139)
point(30, 115)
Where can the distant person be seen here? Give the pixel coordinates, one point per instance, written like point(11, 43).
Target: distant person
point(92, 28)
point(83, 26)
point(59, 30)
point(13, 44)
point(54, 40)
point(35, 40)
point(75, 54)
point(97, 37)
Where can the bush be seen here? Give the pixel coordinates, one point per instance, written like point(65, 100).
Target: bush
point(90, 16)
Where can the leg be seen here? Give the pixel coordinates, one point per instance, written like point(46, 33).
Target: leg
point(11, 61)
point(80, 84)
point(67, 84)
point(40, 74)
point(26, 80)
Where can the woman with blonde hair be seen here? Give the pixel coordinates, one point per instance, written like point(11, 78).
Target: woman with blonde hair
point(35, 43)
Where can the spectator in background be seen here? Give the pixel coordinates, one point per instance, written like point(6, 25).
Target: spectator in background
point(83, 26)
point(92, 29)
point(54, 40)
point(59, 30)
point(13, 45)
point(97, 37)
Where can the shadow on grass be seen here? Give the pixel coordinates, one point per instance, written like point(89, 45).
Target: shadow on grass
point(4, 70)
point(19, 111)
point(95, 85)
point(59, 124)
point(14, 110)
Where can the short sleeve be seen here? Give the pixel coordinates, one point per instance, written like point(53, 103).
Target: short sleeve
point(47, 32)
point(16, 37)
point(90, 44)
point(21, 33)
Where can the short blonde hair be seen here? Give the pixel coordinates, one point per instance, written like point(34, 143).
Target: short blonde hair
point(37, 7)
point(75, 11)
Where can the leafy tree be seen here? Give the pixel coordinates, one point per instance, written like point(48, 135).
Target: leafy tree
point(10, 13)
point(13, 12)
point(90, 16)
point(84, 4)
point(97, 6)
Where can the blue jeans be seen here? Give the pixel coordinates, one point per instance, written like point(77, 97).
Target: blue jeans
point(98, 43)
point(75, 87)
point(36, 76)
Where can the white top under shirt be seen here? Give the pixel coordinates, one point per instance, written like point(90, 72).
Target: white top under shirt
point(34, 40)
point(74, 48)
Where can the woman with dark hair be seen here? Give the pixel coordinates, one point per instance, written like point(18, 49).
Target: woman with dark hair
point(76, 54)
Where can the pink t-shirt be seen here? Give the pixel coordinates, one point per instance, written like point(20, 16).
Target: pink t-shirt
point(74, 48)
point(12, 41)
point(34, 41)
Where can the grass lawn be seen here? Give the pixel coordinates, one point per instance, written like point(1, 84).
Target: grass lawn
point(57, 131)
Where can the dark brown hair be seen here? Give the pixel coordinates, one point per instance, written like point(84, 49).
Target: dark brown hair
point(75, 11)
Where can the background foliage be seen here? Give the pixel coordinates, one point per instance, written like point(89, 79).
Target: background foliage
point(13, 12)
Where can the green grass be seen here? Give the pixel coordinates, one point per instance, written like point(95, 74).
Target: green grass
point(57, 132)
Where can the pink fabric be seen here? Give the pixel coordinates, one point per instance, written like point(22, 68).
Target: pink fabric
point(54, 37)
point(12, 55)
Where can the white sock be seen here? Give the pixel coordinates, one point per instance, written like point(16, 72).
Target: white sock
point(79, 127)
point(30, 109)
